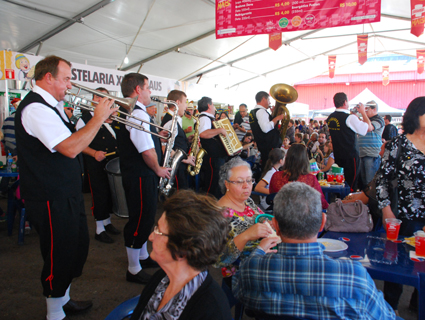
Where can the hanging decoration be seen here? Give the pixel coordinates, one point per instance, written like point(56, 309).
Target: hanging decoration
point(385, 75)
point(332, 63)
point(417, 17)
point(420, 57)
point(362, 47)
point(275, 40)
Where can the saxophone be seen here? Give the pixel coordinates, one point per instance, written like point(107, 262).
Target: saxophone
point(166, 185)
point(199, 153)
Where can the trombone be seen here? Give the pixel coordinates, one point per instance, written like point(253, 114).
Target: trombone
point(127, 103)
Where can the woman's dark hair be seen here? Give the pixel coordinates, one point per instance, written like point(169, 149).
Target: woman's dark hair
point(275, 155)
point(248, 134)
point(296, 162)
point(415, 109)
point(197, 229)
point(227, 116)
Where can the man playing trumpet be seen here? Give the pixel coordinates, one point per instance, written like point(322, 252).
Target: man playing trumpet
point(51, 170)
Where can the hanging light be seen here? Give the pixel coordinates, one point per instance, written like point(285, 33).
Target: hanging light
point(126, 60)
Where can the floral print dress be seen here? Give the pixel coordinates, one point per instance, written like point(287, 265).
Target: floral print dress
point(239, 222)
point(411, 179)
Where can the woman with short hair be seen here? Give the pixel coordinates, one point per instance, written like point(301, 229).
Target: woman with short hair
point(189, 236)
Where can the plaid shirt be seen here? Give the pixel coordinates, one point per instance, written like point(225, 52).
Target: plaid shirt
point(299, 280)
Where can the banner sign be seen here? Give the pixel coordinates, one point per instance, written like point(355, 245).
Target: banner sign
point(385, 75)
point(362, 48)
point(23, 66)
point(420, 57)
point(236, 18)
point(332, 64)
point(275, 40)
point(417, 17)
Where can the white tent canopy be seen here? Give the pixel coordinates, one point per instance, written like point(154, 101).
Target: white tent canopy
point(175, 39)
point(365, 96)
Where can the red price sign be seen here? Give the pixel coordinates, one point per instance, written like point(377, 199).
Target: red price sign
point(247, 17)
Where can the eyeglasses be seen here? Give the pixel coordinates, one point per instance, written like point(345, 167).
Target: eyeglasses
point(241, 182)
point(156, 231)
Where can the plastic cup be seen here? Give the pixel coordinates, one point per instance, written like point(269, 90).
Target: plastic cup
point(390, 251)
point(420, 243)
point(393, 228)
point(339, 178)
point(190, 128)
point(330, 177)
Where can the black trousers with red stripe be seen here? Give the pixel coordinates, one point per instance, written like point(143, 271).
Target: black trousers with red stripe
point(351, 170)
point(210, 175)
point(141, 194)
point(99, 187)
point(64, 241)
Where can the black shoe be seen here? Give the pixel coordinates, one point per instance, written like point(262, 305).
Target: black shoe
point(72, 306)
point(111, 229)
point(148, 263)
point(103, 237)
point(140, 277)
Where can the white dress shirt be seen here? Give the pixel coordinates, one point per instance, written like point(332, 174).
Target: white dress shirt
point(354, 123)
point(263, 119)
point(142, 141)
point(43, 123)
point(204, 123)
point(81, 124)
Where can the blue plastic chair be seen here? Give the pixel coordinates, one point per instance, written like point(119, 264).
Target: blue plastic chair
point(124, 310)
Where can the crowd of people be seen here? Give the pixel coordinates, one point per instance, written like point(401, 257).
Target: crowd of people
point(276, 268)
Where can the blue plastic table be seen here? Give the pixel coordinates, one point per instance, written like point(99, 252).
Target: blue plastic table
point(384, 260)
point(343, 191)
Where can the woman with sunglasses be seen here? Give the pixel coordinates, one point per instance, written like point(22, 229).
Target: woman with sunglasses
point(236, 183)
point(188, 238)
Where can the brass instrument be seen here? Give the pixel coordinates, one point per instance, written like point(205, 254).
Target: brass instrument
point(127, 103)
point(165, 185)
point(230, 141)
point(195, 151)
point(283, 94)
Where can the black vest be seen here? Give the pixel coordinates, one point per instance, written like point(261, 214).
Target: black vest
point(344, 139)
point(267, 140)
point(180, 142)
point(45, 176)
point(131, 161)
point(166, 118)
point(103, 141)
point(214, 147)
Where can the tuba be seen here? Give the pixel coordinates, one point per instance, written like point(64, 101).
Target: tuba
point(196, 151)
point(165, 185)
point(283, 94)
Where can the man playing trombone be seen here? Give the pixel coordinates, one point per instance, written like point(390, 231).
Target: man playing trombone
point(49, 152)
point(140, 158)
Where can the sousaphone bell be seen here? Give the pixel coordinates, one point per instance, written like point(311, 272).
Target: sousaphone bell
point(283, 94)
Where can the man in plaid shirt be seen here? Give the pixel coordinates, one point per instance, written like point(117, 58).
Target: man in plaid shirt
point(297, 279)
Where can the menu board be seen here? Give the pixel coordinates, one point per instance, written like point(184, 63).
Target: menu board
point(236, 18)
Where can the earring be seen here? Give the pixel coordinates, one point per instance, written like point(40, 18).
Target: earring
point(227, 189)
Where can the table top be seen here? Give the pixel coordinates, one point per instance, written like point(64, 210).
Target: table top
point(384, 259)
point(4, 173)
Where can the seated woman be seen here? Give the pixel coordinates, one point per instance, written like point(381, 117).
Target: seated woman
point(296, 168)
point(246, 145)
point(328, 157)
point(236, 184)
point(188, 237)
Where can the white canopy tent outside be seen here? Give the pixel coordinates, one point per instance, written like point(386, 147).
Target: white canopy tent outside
point(365, 96)
point(175, 39)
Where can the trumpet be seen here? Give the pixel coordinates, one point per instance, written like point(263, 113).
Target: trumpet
point(127, 103)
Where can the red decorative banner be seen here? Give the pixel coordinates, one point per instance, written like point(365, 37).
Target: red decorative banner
point(235, 18)
point(420, 58)
point(275, 40)
point(362, 47)
point(332, 63)
point(417, 18)
point(385, 75)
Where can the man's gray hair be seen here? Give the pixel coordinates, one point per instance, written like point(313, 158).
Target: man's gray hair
point(298, 210)
point(373, 104)
point(226, 171)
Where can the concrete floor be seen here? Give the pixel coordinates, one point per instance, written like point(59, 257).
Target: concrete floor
point(103, 279)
